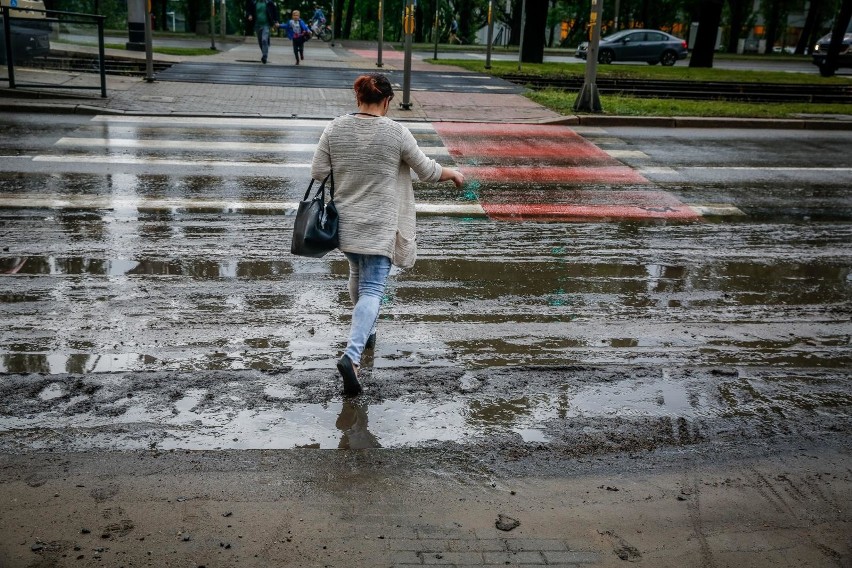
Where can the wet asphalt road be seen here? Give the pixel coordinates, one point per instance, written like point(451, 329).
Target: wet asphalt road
point(147, 304)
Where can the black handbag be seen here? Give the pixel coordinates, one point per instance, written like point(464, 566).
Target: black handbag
point(315, 228)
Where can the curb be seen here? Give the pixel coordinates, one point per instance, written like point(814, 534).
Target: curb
point(569, 120)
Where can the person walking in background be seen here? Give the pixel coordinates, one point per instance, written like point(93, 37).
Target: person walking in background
point(372, 157)
point(262, 14)
point(454, 31)
point(318, 19)
point(299, 33)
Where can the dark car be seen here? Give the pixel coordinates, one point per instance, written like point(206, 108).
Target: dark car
point(844, 59)
point(28, 40)
point(652, 46)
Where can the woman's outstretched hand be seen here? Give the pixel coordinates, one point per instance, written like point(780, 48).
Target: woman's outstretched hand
point(454, 175)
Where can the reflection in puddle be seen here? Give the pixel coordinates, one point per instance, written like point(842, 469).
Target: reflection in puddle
point(197, 269)
point(208, 418)
point(352, 421)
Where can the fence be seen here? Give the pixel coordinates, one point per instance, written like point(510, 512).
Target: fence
point(26, 38)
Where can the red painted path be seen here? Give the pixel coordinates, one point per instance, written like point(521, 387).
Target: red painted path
point(540, 155)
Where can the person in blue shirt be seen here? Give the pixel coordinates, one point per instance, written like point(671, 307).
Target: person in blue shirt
point(262, 14)
point(318, 19)
point(299, 33)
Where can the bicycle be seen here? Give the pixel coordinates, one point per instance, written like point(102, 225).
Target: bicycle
point(321, 30)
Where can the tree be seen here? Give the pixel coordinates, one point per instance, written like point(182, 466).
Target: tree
point(775, 13)
point(709, 16)
point(841, 23)
point(809, 32)
point(535, 22)
point(738, 10)
point(350, 13)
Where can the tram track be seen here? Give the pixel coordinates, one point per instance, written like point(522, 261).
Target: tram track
point(695, 90)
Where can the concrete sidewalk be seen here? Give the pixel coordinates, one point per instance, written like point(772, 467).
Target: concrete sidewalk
point(133, 95)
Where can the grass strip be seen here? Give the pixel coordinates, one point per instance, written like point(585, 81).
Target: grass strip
point(562, 101)
point(653, 72)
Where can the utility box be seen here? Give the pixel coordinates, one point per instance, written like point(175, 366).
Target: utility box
point(136, 25)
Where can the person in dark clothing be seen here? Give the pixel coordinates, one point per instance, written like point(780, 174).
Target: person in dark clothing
point(263, 15)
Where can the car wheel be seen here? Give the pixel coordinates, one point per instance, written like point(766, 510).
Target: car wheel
point(826, 71)
point(605, 57)
point(668, 58)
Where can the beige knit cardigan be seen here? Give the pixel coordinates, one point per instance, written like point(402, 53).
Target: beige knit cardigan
point(372, 160)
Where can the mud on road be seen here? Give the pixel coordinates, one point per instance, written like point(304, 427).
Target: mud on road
point(569, 466)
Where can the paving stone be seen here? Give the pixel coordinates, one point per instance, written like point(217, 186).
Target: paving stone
point(572, 557)
point(528, 557)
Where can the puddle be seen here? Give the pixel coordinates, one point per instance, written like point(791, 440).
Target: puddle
point(231, 418)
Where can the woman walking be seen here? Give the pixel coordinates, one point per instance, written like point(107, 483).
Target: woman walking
point(371, 157)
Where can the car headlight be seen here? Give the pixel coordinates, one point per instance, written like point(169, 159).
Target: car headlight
point(816, 48)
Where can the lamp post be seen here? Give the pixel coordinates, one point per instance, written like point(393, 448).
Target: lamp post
point(523, 25)
point(381, 34)
point(490, 34)
point(408, 28)
point(435, 30)
point(149, 49)
point(588, 99)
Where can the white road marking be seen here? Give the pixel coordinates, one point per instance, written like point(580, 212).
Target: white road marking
point(211, 145)
point(132, 160)
point(767, 168)
point(626, 153)
point(277, 123)
point(717, 210)
point(30, 201)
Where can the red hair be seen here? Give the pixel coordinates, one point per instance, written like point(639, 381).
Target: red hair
point(372, 88)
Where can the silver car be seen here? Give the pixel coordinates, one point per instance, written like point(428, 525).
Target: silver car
point(653, 46)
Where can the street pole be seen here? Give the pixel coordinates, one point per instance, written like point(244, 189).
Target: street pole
point(381, 33)
point(588, 100)
point(212, 24)
point(408, 28)
point(490, 34)
point(435, 31)
point(523, 25)
point(149, 49)
point(222, 19)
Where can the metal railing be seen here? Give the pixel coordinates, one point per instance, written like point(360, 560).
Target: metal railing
point(50, 17)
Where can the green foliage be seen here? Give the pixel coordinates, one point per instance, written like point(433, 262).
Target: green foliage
point(619, 105)
point(677, 72)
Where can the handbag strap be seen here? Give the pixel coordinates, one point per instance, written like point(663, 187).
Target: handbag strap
point(321, 190)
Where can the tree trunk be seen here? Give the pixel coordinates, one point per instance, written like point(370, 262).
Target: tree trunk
point(738, 15)
point(193, 13)
point(710, 14)
point(772, 25)
point(536, 21)
point(350, 13)
point(837, 33)
point(515, 22)
point(806, 39)
point(418, 23)
point(338, 11)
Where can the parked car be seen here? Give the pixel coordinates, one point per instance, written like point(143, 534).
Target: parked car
point(653, 46)
point(29, 30)
point(27, 41)
point(844, 59)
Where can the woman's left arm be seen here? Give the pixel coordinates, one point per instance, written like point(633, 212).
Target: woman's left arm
point(426, 168)
point(321, 164)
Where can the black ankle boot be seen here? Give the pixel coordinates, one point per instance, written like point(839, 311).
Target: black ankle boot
point(351, 386)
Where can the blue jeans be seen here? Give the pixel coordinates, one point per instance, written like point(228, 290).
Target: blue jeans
point(263, 40)
point(368, 276)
